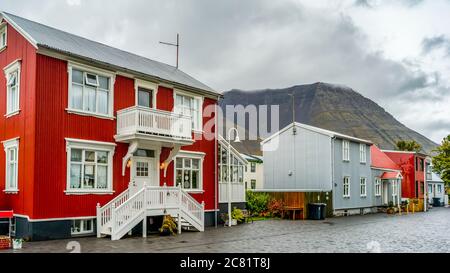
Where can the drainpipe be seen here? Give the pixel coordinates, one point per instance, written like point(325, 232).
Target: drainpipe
point(333, 139)
point(216, 180)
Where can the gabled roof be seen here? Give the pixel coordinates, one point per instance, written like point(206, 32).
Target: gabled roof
point(45, 37)
point(252, 158)
point(317, 130)
point(381, 161)
point(391, 175)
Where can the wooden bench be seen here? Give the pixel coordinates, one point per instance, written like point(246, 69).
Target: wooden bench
point(292, 210)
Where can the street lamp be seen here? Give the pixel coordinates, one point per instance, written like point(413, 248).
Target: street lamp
point(236, 140)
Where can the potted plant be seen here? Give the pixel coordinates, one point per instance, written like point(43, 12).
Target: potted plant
point(237, 215)
point(169, 227)
point(391, 209)
point(17, 243)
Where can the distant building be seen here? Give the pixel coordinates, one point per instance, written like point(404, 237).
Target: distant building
point(253, 172)
point(436, 186)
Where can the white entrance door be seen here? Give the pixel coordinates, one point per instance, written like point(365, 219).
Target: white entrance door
point(144, 173)
point(385, 193)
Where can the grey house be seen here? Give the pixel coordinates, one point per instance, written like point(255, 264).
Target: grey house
point(303, 158)
point(436, 186)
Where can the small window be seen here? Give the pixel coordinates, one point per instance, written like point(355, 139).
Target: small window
point(12, 165)
point(363, 186)
point(188, 173)
point(394, 189)
point(377, 186)
point(346, 188)
point(439, 188)
point(80, 227)
point(145, 97)
point(190, 106)
point(346, 150)
point(362, 153)
point(12, 73)
point(145, 153)
point(253, 167)
point(253, 184)
point(92, 79)
point(3, 37)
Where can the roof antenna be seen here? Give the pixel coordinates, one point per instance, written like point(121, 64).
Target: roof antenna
point(177, 45)
point(294, 129)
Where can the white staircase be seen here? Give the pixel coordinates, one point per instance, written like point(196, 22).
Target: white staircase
point(124, 212)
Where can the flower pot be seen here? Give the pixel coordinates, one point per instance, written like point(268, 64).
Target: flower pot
point(233, 222)
point(17, 243)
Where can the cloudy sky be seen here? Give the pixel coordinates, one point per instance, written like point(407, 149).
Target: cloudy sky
point(395, 52)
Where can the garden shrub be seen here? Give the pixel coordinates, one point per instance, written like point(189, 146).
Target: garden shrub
point(275, 207)
point(257, 202)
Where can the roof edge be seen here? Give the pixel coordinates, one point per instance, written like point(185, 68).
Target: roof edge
point(22, 32)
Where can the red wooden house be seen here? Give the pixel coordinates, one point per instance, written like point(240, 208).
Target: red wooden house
point(97, 139)
point(413, 172)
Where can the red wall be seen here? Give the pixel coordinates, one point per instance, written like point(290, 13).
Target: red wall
point(407, 162)
point(54, 124)
point(21, 125)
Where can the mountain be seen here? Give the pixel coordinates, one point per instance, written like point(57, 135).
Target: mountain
point(333, 107)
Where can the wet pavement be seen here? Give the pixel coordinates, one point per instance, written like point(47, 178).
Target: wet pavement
point(419, 232)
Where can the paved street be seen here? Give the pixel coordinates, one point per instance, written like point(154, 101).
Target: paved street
point(420, 232)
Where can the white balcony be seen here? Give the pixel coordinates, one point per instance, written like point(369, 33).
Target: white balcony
point(151, 124)
point(237, 192)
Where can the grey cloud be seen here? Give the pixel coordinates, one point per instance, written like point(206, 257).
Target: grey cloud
point(437, 42)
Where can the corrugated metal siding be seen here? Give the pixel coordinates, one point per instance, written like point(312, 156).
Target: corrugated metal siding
point(307, 155)
point(21, 125)
point(355, 170)
point(406, 162)
point(53, 125)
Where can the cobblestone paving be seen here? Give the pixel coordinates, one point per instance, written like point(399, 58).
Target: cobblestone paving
point(420, 232)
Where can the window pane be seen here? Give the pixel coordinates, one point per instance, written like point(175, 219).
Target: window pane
point(12, 79)
point(102, 157)
point(76, 97)
point(103, 102)
point(91, 79)
point(179, 163)
point(89, 99)
point(102, 177)
point(75, 176)
point(187, 179)
point(75, 155)
point(195, 179)
point(77, 76)
point(144, 97)
point(196, 164)
point(179, 177)
point(187, 163)
point(89, 156)
point(103, 82)
point(89, 176)
point(88, 225)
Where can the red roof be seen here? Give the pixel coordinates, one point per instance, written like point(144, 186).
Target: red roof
point(390, 175)
point(6, 214)
point(381, 160)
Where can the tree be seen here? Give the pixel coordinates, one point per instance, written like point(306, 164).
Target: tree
point(408, 145)
point(441, 162)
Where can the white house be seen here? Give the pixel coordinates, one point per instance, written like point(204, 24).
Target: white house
point(253, 172)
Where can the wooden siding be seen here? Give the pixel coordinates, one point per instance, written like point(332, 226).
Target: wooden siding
point(21, 125)
point(302, 199)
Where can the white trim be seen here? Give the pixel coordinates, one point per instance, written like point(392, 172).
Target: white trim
point(90, 145)
point(200, 100)
point(52, 219)
point(362, 153)
point(4, 29)
point(20, 30)
point(147, 85)
point(7, 145)
point(99, 72)
point(345, 150)
point(287, 190)
point(8, 70)
point(365, 186)
point(385, 169)
point(317, 130)
point(378, 182)
point(193, 155)
point(348, 195)
point(82, 222)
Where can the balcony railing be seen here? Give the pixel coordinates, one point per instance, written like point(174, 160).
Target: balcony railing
point(141, 120)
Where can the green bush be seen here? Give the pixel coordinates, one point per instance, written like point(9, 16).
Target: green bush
point(257, 202)
point(237, 214)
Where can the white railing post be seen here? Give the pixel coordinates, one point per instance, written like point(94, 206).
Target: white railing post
point(180, 198)
point(144, 207)
point(113, 220)
point(99, 221)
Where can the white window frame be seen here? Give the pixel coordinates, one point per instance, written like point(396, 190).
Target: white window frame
point(253, 167)
point(198, 124)
point(190, 155)
point(3, 30)
point(346, 150)
point(363, 191)
point(346, 184)
point(439, 188)
point(227, 166)
point(146, 85)
point(14, 67)
point(377, 186)
point(362, 153)
point(99, 72)
point(91, 146)
point(83, 231)
point(8, 145)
